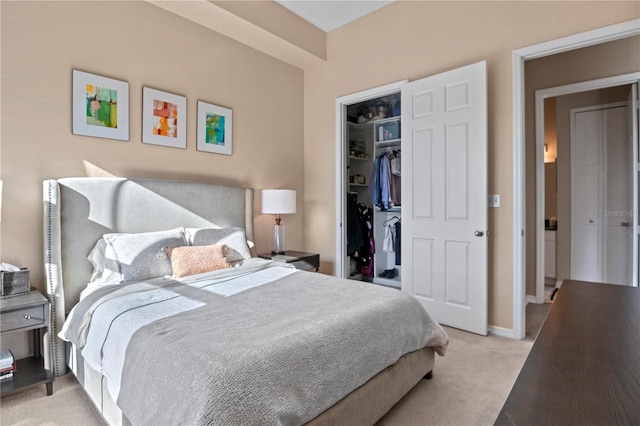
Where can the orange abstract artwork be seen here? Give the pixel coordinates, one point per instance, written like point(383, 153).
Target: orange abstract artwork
point(165, 119)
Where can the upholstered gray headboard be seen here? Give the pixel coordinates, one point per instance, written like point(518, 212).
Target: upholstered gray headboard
point(78, 211)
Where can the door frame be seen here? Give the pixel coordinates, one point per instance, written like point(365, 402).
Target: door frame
point(341, 163)
point(541, 95)
point(560, 45)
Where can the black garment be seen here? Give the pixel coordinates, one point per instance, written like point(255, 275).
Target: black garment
point(398, 244)
point(355, 240)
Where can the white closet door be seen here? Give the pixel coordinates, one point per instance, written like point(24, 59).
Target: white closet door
point(587, 196)
point(618, 237)
point(444, 187)
point(602, 195)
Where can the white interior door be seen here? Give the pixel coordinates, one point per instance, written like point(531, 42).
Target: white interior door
point(618, 238)
point(602, 240)
point(634, 142)
point(587, 165)
point(444, 187)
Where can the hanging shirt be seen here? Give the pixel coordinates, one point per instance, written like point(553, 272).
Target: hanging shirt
point(374, 187)
point(388, 244)
point(385, 193)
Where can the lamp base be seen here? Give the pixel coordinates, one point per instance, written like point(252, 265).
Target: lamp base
point(278, 238)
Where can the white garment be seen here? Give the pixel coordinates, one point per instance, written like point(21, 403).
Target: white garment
point(395, 164)
point(389, 239)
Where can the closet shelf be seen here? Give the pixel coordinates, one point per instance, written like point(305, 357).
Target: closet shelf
point(370, 122)
point(353, 157)
point(390, 142)
point(358, 184)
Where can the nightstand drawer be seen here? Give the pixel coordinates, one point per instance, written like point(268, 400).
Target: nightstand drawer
point(22, 318)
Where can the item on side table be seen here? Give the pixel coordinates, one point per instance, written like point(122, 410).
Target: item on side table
point(14, 281)
point(7, 364)
point(278, 201)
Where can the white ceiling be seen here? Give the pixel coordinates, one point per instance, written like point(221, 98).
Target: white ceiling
point(331, 14)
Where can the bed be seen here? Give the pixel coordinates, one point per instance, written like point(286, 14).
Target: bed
point(249, 342)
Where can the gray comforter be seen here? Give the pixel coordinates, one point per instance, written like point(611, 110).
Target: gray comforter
point(279, 352)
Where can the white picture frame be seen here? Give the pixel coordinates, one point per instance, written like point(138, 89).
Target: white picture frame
point(214, 129)
point(164, 118)
point(100, 106)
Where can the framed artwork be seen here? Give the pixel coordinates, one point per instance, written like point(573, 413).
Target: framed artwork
point(164, 118)
point(100, 106)
point(215, 125)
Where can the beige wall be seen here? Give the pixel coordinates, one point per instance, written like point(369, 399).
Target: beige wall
point(146, 46)
point(604, 60)
point(417, 39)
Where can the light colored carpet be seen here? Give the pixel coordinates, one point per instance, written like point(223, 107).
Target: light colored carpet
point(469, 387)
point(68, 406)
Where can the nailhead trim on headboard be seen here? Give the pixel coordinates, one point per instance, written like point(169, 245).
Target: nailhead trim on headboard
point(50, 283)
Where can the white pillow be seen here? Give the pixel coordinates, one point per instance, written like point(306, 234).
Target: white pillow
point(234, 238)
point(135, 257)
point(96, 257)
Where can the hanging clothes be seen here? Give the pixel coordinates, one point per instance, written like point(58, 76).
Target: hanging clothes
point(374, 188)
point(364, 257)
point(394, 178)
point(355, 239)
point(385, 188)
point(385, 192)
point(398, 243)
point(389, 242)
point(396, 164)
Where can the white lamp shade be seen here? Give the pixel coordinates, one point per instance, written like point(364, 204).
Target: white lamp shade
point(278, 201)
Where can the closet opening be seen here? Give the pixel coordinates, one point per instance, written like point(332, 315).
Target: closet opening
point(369, 188)
point(373, 190)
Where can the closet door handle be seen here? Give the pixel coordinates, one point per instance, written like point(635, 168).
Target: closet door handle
point(478, 233)
point(625, 224)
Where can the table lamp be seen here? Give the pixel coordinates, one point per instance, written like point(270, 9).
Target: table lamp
point(278, 201)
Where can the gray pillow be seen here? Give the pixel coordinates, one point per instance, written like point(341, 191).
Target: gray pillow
point(234, 238)
point(135, 257)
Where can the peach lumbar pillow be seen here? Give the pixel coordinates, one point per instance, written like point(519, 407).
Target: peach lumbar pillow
point(191, 260)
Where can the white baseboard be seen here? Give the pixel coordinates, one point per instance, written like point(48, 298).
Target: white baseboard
point(531, 299)
point(501, 332)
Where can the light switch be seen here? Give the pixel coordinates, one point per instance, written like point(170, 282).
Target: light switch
point(494, 200)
